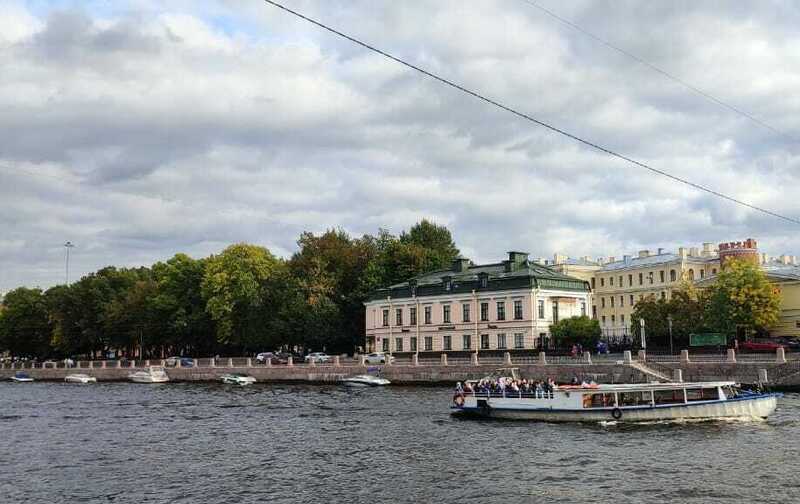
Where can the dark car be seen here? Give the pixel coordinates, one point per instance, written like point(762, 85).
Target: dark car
point(185, 362)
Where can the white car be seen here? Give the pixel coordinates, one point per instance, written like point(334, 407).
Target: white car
point(318, 357)
point(378, 358)
point(264, 356)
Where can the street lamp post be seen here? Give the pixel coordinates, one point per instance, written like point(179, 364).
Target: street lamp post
point(644, 341)
point(68, 245)
point(669, 324)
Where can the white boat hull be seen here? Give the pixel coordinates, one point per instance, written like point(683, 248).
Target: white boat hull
point(21, 380)
point(79, 378)
point(365, 381)
point(757, 407)
point(240, 380)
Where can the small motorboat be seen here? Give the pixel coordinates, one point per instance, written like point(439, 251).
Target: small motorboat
point(365, 381)
point(80, 378)
point(153, 374)
point(237, 379)
point(21, 377)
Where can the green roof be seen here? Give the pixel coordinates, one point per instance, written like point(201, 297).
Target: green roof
point(510, 274)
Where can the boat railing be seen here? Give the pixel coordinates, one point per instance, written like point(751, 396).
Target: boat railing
point(509, 394)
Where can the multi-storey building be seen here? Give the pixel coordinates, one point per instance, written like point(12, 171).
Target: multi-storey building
point(583, 268)
point(619, 285)
point(506, 305)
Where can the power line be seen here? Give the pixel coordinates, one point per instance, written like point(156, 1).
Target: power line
point(530, 118)
point(642, 61)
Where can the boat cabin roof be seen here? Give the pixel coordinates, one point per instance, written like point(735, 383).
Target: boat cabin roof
point(639, 387)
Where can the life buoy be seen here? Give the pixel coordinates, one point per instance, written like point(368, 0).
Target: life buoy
point(458, 400)
point(616, 413)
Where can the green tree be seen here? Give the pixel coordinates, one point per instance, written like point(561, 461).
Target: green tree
point(576, 330)
point(235, 287)
point(742, 297)
point(655, 313)
point(24, 324)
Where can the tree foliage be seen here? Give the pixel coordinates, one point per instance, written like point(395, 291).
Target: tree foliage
point(576, 331)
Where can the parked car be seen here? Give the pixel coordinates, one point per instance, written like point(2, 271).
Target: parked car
point(318, 357)
point(759, 346)
point(790, 343)
point(378, 358)
point(263, 357)
point(185, 361)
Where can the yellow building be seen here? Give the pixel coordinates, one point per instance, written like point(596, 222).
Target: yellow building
point(619, 285)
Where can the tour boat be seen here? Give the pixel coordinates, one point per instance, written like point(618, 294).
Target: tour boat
point(153, 374)
point(365, 381)
point(623, 403)
point(237, 379)
point(21, 377)
point(79, 378)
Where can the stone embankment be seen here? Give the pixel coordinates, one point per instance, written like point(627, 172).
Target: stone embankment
point(775, 370)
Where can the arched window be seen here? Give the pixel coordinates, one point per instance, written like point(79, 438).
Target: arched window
point(672, 275)
point(691, 274)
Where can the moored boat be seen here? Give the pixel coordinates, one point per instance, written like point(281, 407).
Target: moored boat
point(79, 378)
point(365, 381)
point(21, 377)
point(639, 402)
point(237, 379)
point(153, 374)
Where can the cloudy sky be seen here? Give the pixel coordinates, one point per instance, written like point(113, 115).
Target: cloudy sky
point(137, 130)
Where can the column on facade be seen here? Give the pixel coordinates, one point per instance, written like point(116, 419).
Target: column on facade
point(391, 316)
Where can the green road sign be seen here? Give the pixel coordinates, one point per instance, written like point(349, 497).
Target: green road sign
point(708, 339)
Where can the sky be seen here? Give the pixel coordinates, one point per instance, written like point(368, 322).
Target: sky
point(140, 129)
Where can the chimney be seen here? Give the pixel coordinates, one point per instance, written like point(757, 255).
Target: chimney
point(660, 251)
point(559, 258)
point(460, 264)
point(626, 259)
point(517, 257)
point(682, 253)
point(694, 252)
point(644, 253)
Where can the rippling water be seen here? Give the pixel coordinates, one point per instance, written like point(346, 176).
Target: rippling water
point(283, 443)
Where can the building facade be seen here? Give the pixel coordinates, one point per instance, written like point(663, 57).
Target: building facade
point(619, 285)
point(508, 305)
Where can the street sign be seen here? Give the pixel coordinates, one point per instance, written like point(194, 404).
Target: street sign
point(708, 339)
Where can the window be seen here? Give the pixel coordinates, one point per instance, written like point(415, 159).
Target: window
point(448, 284)
point(603, 319)
point(602, 282)
point(398, 344)
point(641, 279)
point(518, 309)
point(630, 280)
point(702, 273)
point(555, 312)
point(631, 300)
point(413, 344)
point(385, 344)
point(501, 310)
point(797, 324)
point(447, 342)
point(622, 319)
point(650, 278)
point(691, 274)
point(661, 276)
point(446, 314)
point(541, 308)
point(412, 314)
point(594, 312)
point(620, 280)
point(484, 281)
point(663, 295)
point(592, 283)
point(399, 316)
point(519, 340)
point(484, 312)
point(501, 340)
point(621, 301)
point(465, 312)
point(612, 301)
point(611, 281)
point(466, 341)
point(583, 308)
point(427, 314)
point(484, 341)
point(428, 343)
point(714, 271)
point(672, 276)
point(385, 318)
point(613, 320)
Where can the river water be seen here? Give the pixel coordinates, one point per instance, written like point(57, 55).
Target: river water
point(128, 443)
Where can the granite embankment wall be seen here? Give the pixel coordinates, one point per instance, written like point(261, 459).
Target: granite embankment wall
point(778, 374)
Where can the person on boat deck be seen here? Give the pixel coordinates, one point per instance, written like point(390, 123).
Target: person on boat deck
point(459, 388)
point(575, 380)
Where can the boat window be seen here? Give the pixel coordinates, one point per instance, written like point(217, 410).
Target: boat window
point(703, 394)
point(598, 400)
point(668, 396)
point(634, 398)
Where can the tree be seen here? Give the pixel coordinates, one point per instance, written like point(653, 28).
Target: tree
point(742, 297)
point(24, 326)
point(576, 331)
point(655, 313)
point(235, 289)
